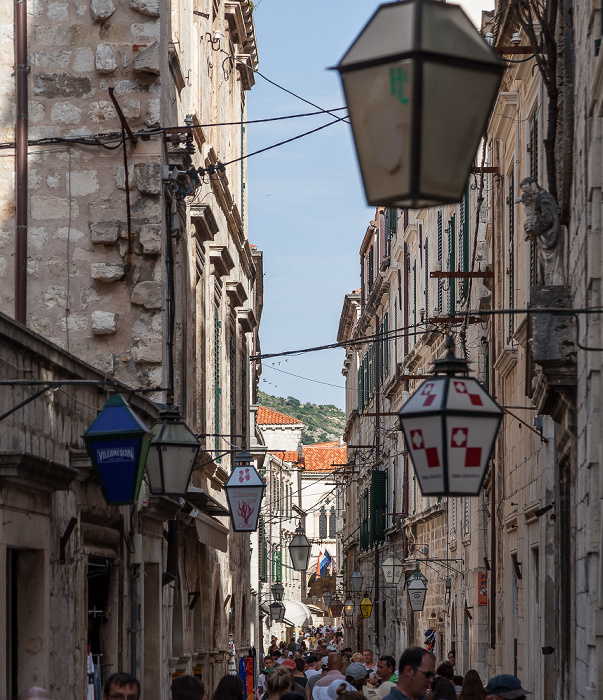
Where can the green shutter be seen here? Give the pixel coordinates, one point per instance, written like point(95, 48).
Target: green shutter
point(279, 564)
point(464, 243)
point(440, 256)
point(378, 506)
point(451, 265)
point(386, 345)
point(511, 268)
point(364, 520)
point(264, 550)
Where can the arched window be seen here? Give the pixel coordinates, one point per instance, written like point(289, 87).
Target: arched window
point(322, 524)
point(332, 523)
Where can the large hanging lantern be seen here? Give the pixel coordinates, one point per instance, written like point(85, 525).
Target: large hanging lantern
point(299, 549)
point(326, 598)
point(277, 591)
point(450, 424)
point(366, 606)
point(281, 617)
point(348, 607)
point(172, 454)
point(356, 580)
point(420, 82)
point(416, 585)
point(336, 606)
point(392, 569)
point(118, 443)
point(244, 491)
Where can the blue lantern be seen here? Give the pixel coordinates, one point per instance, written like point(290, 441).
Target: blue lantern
point(118, 444)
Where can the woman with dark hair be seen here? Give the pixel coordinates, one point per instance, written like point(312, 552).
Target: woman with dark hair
point(442, 689)
point(229, 688)
point(473, 688)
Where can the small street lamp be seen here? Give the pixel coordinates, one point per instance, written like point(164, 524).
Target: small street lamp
point(314, 599)
point(326, 598)
point(392, 569)
point(172, 455)
point(349, 607)
point(244, 491)
point(118, 443)
point(299, 549)
point(336, 606)
point(450, 425)
point(416, 585)
point(277, 591)
point(356, 580)
point(275, 610)
point(366, 606)
point(420, 82)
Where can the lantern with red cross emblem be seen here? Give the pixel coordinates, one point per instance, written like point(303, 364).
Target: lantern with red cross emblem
point(450, 424)
point(244, 491)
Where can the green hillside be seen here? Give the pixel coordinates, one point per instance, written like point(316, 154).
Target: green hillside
point(322, 422)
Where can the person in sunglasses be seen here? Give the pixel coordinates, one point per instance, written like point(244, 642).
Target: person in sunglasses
point(416, 669)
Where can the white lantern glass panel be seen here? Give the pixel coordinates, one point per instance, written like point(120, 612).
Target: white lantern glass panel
point(171, 456)
point(244, 491)
point(416, 595)
point(423, 437)
point(469, 448)
point(448, 146)
point(392, 569)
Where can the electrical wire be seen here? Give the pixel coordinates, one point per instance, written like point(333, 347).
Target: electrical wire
point(316, 381)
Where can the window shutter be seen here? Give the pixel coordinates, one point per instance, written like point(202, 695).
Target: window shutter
point(464, 243)
point(378, 505)
point(364, 523)
point(511, 268)
point(440, 257)
point(264, 550)
point(451, 265)
point(332, 524)
point(279, 564)
point(370, 268)
point(414, 299)
point(217, 389)
point(427, 309)
point(322, 524)
point(385, 345)
point(452, 502)
point(533, 149)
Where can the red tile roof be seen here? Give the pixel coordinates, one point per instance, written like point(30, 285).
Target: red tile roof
point(322, 456)
point(286, 456)
point(266, 416)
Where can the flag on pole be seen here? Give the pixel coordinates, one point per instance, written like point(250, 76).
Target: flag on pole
point(318, 565)
point(324, 562)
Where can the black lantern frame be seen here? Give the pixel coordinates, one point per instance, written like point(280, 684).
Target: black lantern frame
point(356, 580)
point(299, 549)
point(411, 60)
point(450, 425)
point(278, 591)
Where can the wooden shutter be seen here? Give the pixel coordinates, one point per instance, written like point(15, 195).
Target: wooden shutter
point(378, 505)
point(440, 257)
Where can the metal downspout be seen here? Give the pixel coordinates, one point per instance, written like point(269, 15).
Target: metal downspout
point(21, 133)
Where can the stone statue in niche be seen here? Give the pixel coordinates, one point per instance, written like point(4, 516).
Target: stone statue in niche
point(542, 226)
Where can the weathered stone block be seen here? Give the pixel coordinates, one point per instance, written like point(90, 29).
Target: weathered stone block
point(53, 85)
point(65, 233)
point(120, 178)
point(58, 11)
point(148, 349)
point(148, 294)
point(106, 232)
point(54, 296)
point(147, 61)
point(146, 7)
point(107, 272)
point(84, 182)
point(106, 59)
point(57, 267)
point(65, 113)
point(553, 335)
point(78, 34)
point(150, 238)
point(53, 60)
point(106, 208)
point(102, 111)
point(149, 178)
point(153, 113)
point(103, 322)
point(131, 109)
point(37, 237)
point(103, 362)
point(43, 208)
point(50, 36)
point(146, 30)
point(123, 87)
point(83, 60)
point(101, 9)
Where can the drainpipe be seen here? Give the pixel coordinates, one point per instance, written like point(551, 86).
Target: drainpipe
point(21, 72)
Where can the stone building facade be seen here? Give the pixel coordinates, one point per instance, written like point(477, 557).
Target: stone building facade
point(524, 594)
point(138, 263)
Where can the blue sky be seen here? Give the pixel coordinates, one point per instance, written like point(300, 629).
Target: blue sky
point(307, 210)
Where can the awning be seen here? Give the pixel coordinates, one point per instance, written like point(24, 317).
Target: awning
point(205, 503)
point(298, 612)
point(211, 532)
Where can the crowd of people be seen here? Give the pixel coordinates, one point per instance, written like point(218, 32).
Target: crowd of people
point(317, 666)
